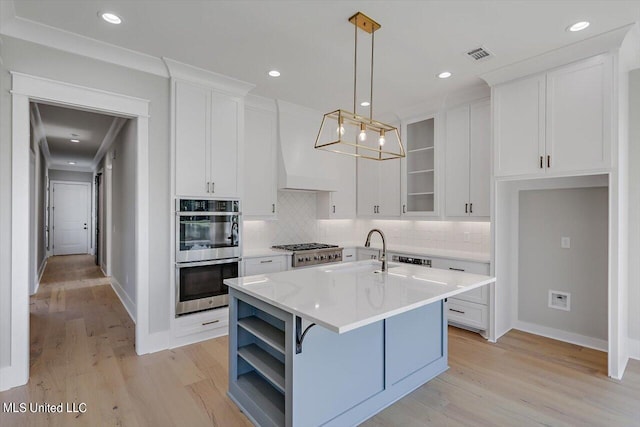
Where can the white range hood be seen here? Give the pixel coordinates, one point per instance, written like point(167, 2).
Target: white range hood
point(300, 166)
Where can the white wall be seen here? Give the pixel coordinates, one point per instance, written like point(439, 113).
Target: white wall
point(61, 175)
point(50, 63)
point(123, 203)
point(545, 217)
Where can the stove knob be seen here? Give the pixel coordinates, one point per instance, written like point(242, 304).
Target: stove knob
point(300, 259)
point(316, 258)
point(322, 257)
point(307, 259)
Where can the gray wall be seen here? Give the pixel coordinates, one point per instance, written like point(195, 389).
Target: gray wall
point(42, 61)
point(60, 175)
point(41, 211)
point(545, 217)
point(123, 209)
point(634, 205)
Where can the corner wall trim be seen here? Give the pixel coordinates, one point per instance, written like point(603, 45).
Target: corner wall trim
point(41, 269)
point(560, 335)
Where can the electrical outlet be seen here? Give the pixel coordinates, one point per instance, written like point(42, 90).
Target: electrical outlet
point(565, 242)
point(467, 236)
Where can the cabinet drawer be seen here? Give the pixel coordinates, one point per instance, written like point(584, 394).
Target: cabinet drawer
point(207, 321)
point(467, 266)
point(478, 295)
point(468, 314)
point(349, 255)
point(264, 265)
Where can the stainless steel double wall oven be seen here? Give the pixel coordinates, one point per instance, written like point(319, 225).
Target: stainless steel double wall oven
point(208, 250)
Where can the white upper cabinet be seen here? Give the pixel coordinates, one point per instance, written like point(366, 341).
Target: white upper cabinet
point(208, 131)
point(378, 186)
point(519, 126)
point(579, 116)
point(419, 167)
point(193, 157)
point(555, 123)
point(207, 134)
point(340, 204)
point(260, 173)
point(467, 160)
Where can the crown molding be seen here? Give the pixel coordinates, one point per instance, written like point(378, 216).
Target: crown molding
point(445, 101)
point(182, 71)
point(598, 44)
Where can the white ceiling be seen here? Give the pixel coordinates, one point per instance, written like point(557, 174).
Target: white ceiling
point(60, 124)
point(311, 42)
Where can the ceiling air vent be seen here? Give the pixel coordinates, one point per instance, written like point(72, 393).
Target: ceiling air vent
point(479, 54)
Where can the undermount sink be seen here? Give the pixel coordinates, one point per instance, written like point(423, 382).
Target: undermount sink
point(367, 265)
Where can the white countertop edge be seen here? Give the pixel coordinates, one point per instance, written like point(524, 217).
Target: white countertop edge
point(364, 322)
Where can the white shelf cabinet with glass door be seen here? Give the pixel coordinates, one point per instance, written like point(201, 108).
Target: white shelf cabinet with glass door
point(419, 168)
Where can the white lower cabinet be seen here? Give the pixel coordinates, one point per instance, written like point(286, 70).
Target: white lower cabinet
point(200, 326)
point(265, 265)
point(469, 309)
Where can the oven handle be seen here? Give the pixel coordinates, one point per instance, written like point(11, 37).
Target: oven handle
point(208, 213)
point(204, 263)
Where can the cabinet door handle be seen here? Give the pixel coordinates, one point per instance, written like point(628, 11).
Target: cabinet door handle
point(456, 311)
point(210, 323)
point(541, 160)
point(404, 208)
point(273, 208)
point(213, 187)
point(208, 187)
point(348, 256)
point(470, 207)
point(266, 261)
point(334, 208)
point(548, 161)
point(466, 208)
point(456, 269)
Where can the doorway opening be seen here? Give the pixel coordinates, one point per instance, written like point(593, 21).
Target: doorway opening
point(27, 89)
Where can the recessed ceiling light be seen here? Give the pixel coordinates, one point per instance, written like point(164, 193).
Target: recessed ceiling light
point(365, 103)
point(75, 140)
point(274, 73)
point(111, 18)
point(578, 26)
point(71, 163)
point(444, 75)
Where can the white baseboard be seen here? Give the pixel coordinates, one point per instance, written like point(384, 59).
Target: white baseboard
point(129, 305)
point(561, 335)
point(634, 349)
point(11, 377)
point(40, 273)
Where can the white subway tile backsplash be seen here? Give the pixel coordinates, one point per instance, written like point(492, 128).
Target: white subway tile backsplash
point(297, 223)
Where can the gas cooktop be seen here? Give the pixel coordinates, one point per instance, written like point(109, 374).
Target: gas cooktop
point(306, 254)
point(304, 247)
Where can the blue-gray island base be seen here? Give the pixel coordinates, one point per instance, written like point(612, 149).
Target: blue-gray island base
point(336, 379)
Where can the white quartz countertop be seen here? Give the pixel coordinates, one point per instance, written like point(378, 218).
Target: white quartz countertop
point(482, 257)
point(347, 296)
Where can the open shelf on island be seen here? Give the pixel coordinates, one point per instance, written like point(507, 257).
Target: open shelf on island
point(267, 398)
point(268, 333)
point(268, 366)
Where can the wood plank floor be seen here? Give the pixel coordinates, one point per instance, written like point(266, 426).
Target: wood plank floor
point(82, 350)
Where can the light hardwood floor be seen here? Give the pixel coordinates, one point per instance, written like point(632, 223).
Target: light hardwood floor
point(82, 351)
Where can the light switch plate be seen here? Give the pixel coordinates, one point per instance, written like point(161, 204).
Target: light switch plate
point(565, 242)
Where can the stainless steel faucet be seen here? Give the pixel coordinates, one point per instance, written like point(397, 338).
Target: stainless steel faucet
point(383, 257)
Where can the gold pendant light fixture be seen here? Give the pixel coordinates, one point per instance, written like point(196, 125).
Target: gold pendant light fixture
point(348, 132)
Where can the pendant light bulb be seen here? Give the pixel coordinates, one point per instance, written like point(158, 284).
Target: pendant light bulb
point(363, 133)
point(381, 140)
point(340, 129)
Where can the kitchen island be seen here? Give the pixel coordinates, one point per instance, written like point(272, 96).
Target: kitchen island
point(335, 344)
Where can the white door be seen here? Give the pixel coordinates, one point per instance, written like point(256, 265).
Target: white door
point(480, 159)
point(368, 182)
point(70, 218)
point(260, 162)
point(389, 194)
point(225, 112)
